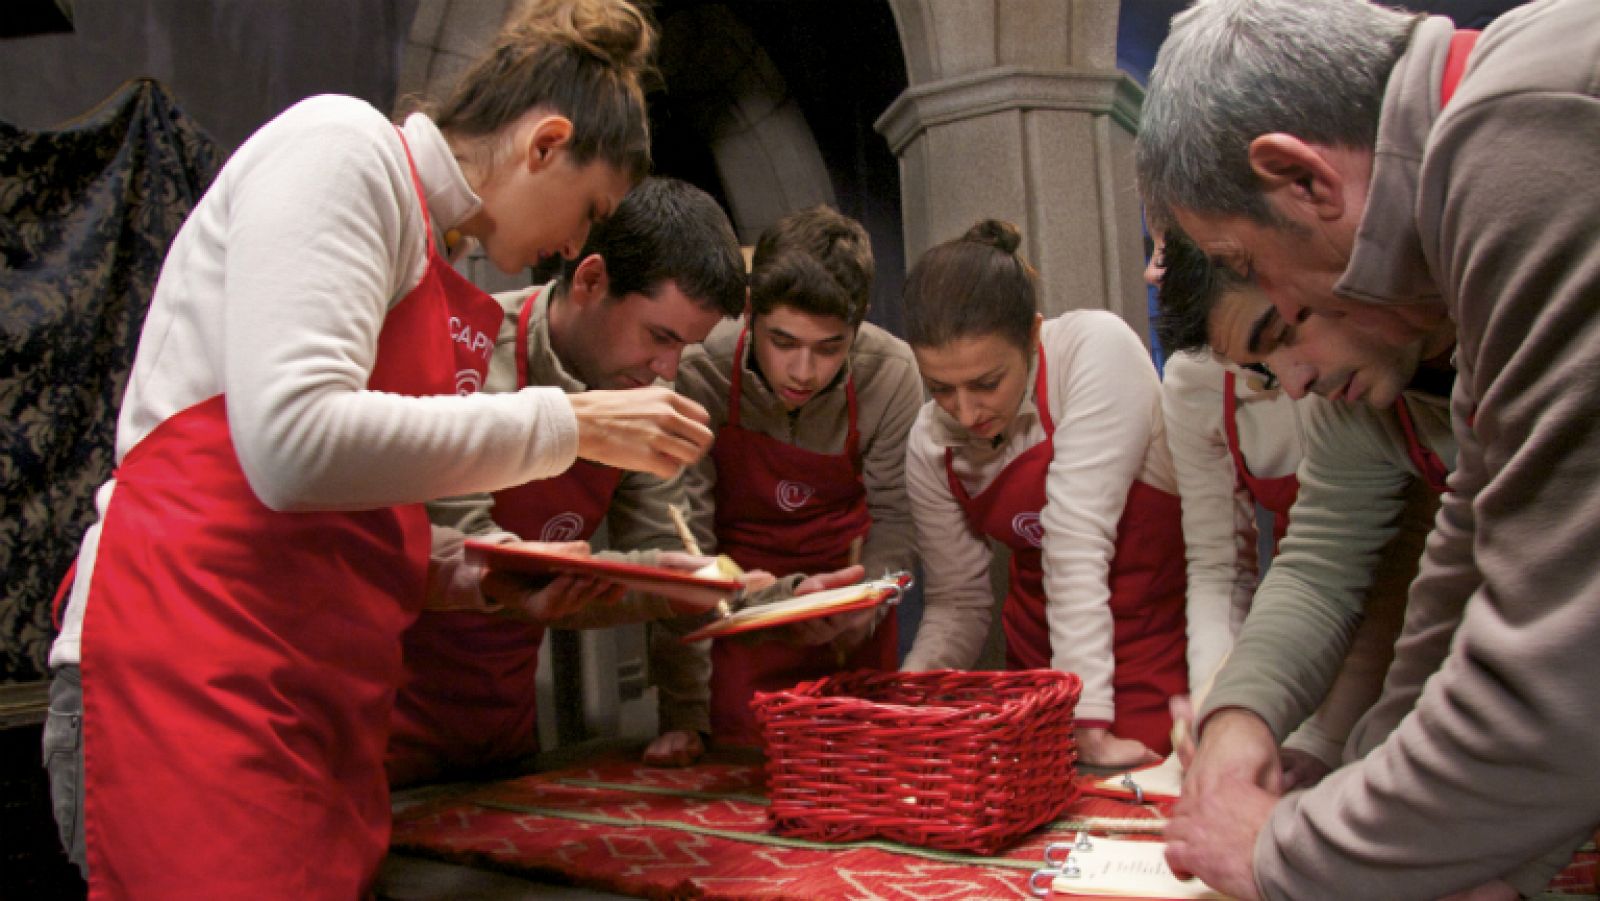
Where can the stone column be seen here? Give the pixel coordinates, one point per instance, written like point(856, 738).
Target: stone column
point(1015, 110)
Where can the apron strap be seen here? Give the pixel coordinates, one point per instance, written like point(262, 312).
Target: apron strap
point(416, 182)
point(852, 441)
point(523, 318)
point(1041, 397)
point(957, 490)
point(58, 603)
point(734, 378)
point(1455, 63)
point(1433, 470)
point(1230, 409)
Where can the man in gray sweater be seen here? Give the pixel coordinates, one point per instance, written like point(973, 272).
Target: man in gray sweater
point(1373, 166)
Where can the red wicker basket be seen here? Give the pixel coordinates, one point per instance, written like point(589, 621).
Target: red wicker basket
point(961, 761)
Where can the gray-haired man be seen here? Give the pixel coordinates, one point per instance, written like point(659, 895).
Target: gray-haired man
point(1336, 153)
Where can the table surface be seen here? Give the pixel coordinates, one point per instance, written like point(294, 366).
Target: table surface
point(595, 817)
point(544, 823)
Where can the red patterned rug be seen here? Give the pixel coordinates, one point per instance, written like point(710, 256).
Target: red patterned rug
point(619, 826)
point(701, 832)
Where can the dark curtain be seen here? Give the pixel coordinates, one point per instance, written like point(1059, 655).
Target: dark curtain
point(86, 215)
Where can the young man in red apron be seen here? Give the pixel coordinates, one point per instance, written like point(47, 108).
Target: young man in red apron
point(1353, 533)
point(653, 279)
point(812, 405)
point(1235, 442)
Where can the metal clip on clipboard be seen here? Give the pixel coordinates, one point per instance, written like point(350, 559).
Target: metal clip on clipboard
point(1065, 868)
point(1130, 785)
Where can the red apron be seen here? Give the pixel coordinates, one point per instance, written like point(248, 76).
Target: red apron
point(1433, 470)
point(239, 663)
point(1146, 580)
point(470, 689)
point(785, 510)
point(1275, 494)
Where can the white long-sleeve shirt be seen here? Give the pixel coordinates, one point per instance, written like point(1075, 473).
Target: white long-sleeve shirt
point(1105, 401)
point(1219, 519)
point(274, 293)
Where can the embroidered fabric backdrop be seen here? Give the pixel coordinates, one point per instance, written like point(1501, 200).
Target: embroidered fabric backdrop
point(86, 216)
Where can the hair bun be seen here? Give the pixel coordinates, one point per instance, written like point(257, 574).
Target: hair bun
point(995, 233)
point(617, 32)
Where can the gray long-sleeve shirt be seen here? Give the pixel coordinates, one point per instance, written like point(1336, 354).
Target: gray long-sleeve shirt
point(1355, 533)
point(1491, 207)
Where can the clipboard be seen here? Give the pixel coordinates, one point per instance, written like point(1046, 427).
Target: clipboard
point(1099, 867)
point(1157, 783)
point(700, 593)
point(860, 596)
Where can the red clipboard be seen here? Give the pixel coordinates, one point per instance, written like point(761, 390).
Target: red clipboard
point(860, 596)
point(702, 593)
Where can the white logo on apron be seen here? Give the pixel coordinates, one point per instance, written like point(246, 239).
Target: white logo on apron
point(477, 343)
point(468, 381)
point(793, 495)
point(562, 527)
point(1027, 527)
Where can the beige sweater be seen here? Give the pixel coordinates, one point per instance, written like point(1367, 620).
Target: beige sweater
point(1490, 207)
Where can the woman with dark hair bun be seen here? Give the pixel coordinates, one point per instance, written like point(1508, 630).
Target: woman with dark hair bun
point(306, 379)
point(1046, 437)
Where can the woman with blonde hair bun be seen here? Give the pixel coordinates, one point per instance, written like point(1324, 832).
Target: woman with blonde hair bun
point(305, 381)
point(1045, 436)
